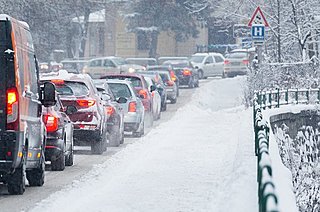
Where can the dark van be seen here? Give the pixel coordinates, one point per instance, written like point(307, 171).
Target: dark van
point(22, 131)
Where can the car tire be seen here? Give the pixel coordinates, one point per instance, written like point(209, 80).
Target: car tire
point(223, 75)
point(173, 101)
point(59, 163)
point(115, 139)
point(200, 74)
point(139, 133)
point(17, 183)
point(36, 176)
point(164, 107)
point(122, 137)
point(97, 147)
point(69, 159)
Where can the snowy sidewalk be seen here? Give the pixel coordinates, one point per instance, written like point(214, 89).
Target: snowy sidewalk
point(200, 160)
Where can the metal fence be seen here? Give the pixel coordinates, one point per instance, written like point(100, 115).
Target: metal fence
point(268, 199)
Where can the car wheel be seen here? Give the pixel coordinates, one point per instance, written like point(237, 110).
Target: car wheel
point(97, 146)
point(70, 158)
point(17, 182)
point(173, 101)
point(122, 137)
point(140, 132)
point(164, 107)
point(59, 163)
point(200, 74)
point(115, 138)
point(36, 176)
point(223, 75)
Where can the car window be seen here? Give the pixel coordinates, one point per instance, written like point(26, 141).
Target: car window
point(135, 81)
point(72, 88)
point(238, 55)
point(209, 60)
point(108, 63)
point(165, 77)
point(197, 58)
point(218, 59)
point(95, 63)
point(119, 61)
point(120, 90)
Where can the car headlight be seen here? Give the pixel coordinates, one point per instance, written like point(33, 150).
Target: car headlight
point(131, 70)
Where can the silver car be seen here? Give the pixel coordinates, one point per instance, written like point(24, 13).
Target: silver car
point(237, 62)
point(132, 106)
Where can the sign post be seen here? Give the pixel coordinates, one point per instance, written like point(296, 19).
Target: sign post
point(258, 22)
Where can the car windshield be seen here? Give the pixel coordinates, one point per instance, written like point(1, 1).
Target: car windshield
point(197, 58)
point(177, 64)
point(237, 55)
point(120, 90)
point(135, 81)
point(72, 88)
point(164, 76)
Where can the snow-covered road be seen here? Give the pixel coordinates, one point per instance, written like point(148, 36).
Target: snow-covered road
point(202, 159)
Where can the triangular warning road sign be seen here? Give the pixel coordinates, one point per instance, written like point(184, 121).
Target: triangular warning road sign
point(258, 18)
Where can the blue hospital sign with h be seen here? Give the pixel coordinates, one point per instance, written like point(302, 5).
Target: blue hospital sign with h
point(257, 32)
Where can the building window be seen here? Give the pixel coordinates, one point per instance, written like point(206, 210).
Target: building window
point(143, 41)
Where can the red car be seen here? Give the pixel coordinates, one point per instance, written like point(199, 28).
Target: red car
point(89, 119)
point(141, 87)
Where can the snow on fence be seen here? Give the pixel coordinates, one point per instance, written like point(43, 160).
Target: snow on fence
point(268, 199)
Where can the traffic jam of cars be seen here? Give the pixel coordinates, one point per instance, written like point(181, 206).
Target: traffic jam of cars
point(48, 110)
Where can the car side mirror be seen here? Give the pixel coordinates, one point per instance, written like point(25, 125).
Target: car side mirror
point(71, 110)
point(48, 94)
point(105, 96)
point(122, 100)
point(159, 88)
point(153, 88)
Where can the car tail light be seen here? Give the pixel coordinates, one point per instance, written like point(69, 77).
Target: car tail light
point(132, 107)
point(86, 102)
point(226, 62)
point(170, 83)
point(144, 93)
point(12, 108)
point(246, 62)
point(51, 122)
point(186, 72)
point(173, 76)
point(58, 81)
point(110, 110)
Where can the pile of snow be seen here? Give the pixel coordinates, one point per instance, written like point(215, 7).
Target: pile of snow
point(200, 160)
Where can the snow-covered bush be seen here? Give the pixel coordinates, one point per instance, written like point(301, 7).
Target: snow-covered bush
point(300, 153)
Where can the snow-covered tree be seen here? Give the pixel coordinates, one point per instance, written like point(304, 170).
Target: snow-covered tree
point(152, 17)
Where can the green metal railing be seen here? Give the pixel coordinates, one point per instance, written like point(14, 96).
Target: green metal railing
point(268, 199)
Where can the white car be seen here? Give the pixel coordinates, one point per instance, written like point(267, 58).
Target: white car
point(208, 64)
point(156, 98)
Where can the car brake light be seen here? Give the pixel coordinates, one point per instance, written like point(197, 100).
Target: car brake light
point(173, 76)
point(51, 123)
point(226, 62)
point(186, 72)
point(170, 83)
point(58, 81)
point(132, 107)
point(12, 108)
point(246, 62)
point(144, 93)
point(86, 102)
point(110, 110)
